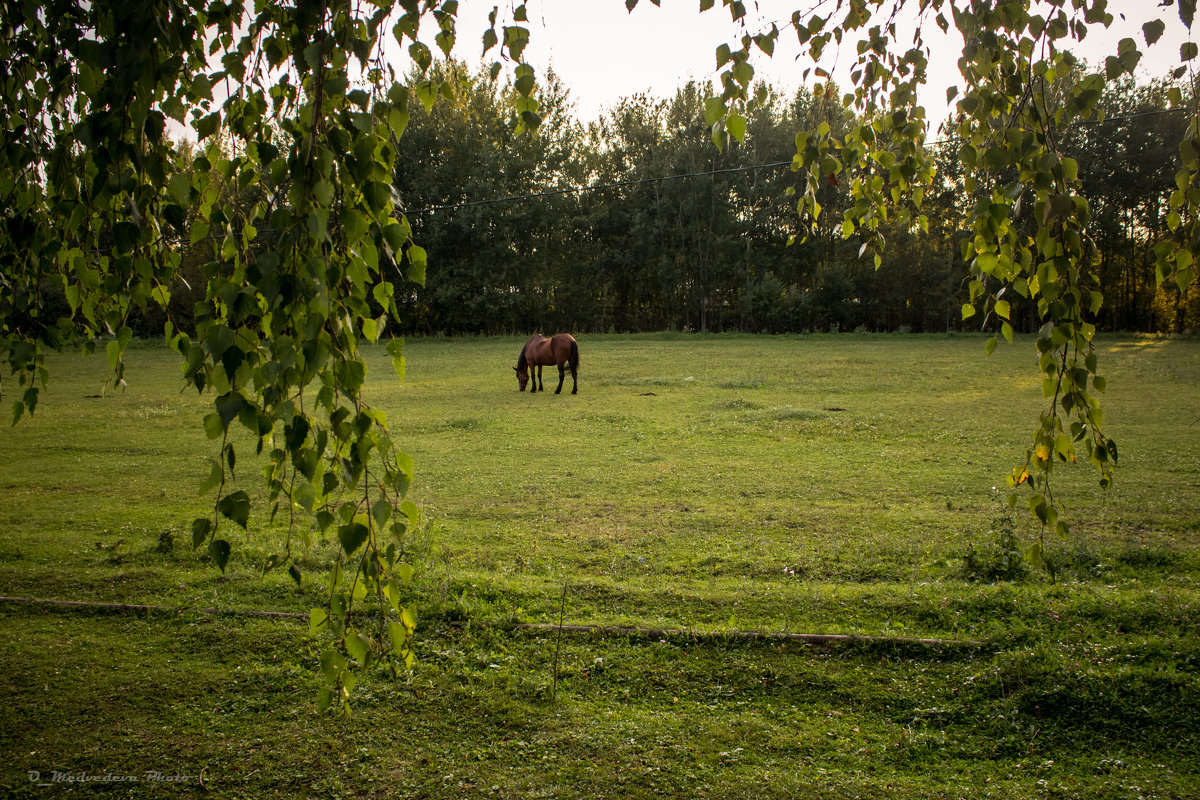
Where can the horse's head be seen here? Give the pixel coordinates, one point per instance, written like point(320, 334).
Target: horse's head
point(522, 376)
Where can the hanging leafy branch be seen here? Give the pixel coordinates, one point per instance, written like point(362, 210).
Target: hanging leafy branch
point(1019, 91)
point(298, 110)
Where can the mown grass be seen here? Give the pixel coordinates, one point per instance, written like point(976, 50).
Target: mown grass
point(815, 484)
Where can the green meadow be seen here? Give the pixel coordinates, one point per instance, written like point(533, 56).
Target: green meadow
point(702, 499)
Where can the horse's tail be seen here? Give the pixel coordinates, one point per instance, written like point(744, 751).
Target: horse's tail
point(573, 359)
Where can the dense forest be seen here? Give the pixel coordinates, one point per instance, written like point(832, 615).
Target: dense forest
point(637, 222)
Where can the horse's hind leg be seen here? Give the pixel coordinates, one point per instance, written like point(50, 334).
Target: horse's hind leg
point(562, 376)
point(573, 363)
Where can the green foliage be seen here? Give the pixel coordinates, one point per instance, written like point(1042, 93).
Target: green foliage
point(464, 153)
point(1020, 88)
point(290, 185)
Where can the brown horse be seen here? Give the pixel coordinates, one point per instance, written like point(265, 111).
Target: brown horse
point(540, 351)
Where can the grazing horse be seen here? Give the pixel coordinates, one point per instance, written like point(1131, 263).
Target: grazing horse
point(540, 351)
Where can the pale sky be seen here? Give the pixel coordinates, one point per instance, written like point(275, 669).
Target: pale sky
point(604, 53)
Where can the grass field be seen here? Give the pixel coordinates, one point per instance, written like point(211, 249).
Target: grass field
point(715, 485)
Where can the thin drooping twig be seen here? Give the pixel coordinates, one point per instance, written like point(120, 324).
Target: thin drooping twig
point(562, 607)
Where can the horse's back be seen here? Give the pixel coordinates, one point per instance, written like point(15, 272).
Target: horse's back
point(557, 349)
point(565, 348)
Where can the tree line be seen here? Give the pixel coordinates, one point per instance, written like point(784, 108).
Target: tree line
point(637, 222)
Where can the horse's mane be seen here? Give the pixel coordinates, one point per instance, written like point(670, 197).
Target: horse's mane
point(523, 361)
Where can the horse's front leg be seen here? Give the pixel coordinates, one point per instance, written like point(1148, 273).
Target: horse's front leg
point(537, 385)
